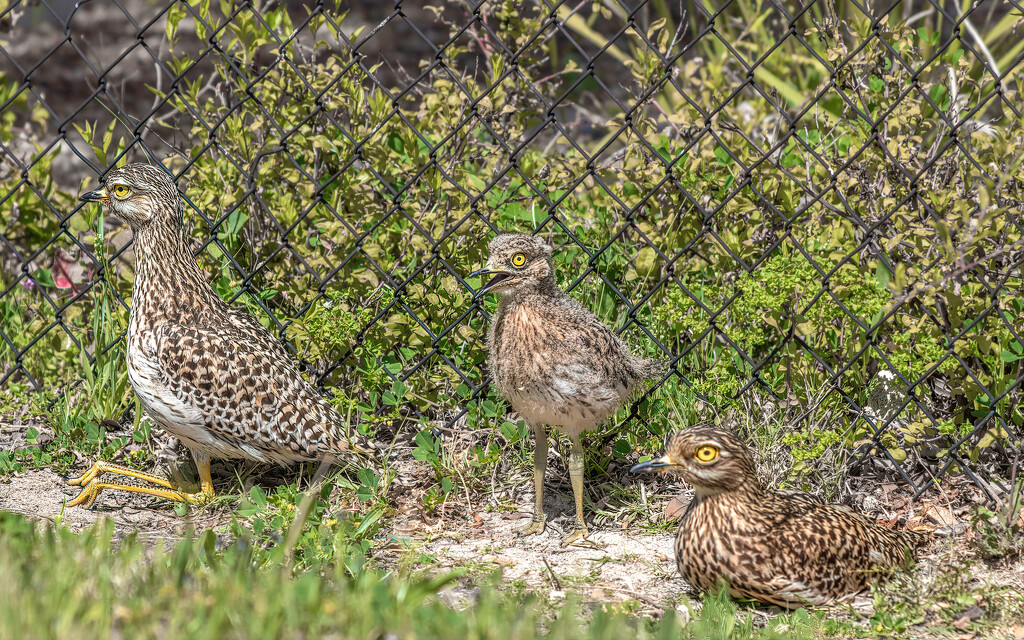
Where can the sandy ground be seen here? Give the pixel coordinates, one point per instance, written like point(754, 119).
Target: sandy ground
point(43, 494)
point(614, 564)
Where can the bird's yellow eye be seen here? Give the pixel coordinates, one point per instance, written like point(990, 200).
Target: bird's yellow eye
point(120, 191)
point(518, 259)
point(707, 453)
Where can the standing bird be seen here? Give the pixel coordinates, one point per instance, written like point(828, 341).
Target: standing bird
point(212, 376)
point(781, 548)
point(553, 360)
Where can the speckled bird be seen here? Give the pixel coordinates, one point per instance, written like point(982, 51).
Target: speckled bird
point(553, 360)
point(783, 548)
point(207, 373)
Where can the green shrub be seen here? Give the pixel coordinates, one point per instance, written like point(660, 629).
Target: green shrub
point(354, 214)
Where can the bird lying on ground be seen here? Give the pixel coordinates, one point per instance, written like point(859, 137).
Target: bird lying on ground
point(783, 548)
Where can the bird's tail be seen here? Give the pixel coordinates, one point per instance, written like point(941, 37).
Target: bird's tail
point(344, 441)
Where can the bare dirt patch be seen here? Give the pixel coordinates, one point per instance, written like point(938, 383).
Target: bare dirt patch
point(613, 565)
point(43, 494)
point(620, 565)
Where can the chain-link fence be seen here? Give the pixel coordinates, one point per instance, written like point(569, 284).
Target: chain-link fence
point(814, 209)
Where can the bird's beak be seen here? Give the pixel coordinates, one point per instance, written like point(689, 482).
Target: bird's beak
point(97, 195)
point(653, 465)
point(498, 277)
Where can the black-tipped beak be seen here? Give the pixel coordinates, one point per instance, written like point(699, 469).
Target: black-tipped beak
point(653, 465)
point(97, 195)
point(498, 277)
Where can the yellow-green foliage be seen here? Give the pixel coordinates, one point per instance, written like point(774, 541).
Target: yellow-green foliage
point(848, 242)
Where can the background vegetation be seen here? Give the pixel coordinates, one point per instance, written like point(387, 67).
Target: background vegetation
point(851, 207)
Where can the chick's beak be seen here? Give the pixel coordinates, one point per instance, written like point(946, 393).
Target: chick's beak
point(486, 271)
point(97, 195)
point(653, 465)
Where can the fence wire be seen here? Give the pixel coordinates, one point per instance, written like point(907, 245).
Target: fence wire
point(599, 125)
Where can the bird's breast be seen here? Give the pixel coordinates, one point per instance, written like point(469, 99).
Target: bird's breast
point(520, 348)
point(717, 541)
point(163, 403)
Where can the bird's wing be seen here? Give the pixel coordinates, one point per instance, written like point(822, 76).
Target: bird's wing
point(247, 324)
point(591, 356)
point(576, 380)
point(835, 547)
point(251, 397)
point(785, 592)
point(808, 498)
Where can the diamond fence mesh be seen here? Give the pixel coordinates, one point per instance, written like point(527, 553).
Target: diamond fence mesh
point(813, 209)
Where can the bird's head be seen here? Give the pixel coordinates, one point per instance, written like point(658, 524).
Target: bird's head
point(711, 459)
point(139, 194)
point(515, 260)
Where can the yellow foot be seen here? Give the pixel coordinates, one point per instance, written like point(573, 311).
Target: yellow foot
point(134, 481)
point(87, 497)
point(578, 535)
point(101, 466)
point(535, 525)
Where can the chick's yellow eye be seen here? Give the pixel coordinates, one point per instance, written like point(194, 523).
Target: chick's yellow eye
point(518, 259)
point(707, 453)
point(120, 191)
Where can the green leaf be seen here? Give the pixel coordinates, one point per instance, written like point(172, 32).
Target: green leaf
point(1008, 356)
point(882, 274)
point(395, 143)
point(723, 156)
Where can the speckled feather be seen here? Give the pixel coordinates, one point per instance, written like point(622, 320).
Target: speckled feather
point(782, 548)
point(553, 359)
point(212, 376)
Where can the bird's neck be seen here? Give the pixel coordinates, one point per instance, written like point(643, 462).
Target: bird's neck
point(168, 281)
point(545, 286)
point(749, 490)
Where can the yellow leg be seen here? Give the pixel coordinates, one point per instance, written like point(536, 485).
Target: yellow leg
point(205, 479)
point(576, 478)
point(93, 485)
point(540, 463)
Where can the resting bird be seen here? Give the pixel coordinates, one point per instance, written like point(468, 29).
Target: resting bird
point(553, 360)
point(786, 549)
point(210, 375)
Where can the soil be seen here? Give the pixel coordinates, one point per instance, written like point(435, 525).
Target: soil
point(619, 563)
point(615, 563)
point(42, 494)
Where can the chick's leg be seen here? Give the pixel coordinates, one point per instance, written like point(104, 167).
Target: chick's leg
point(540, 463)
point(576, 477)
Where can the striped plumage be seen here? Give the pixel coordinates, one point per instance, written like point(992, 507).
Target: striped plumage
point(554, 360)
point(782, 548)
point(551, 357)
point(209, 374)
